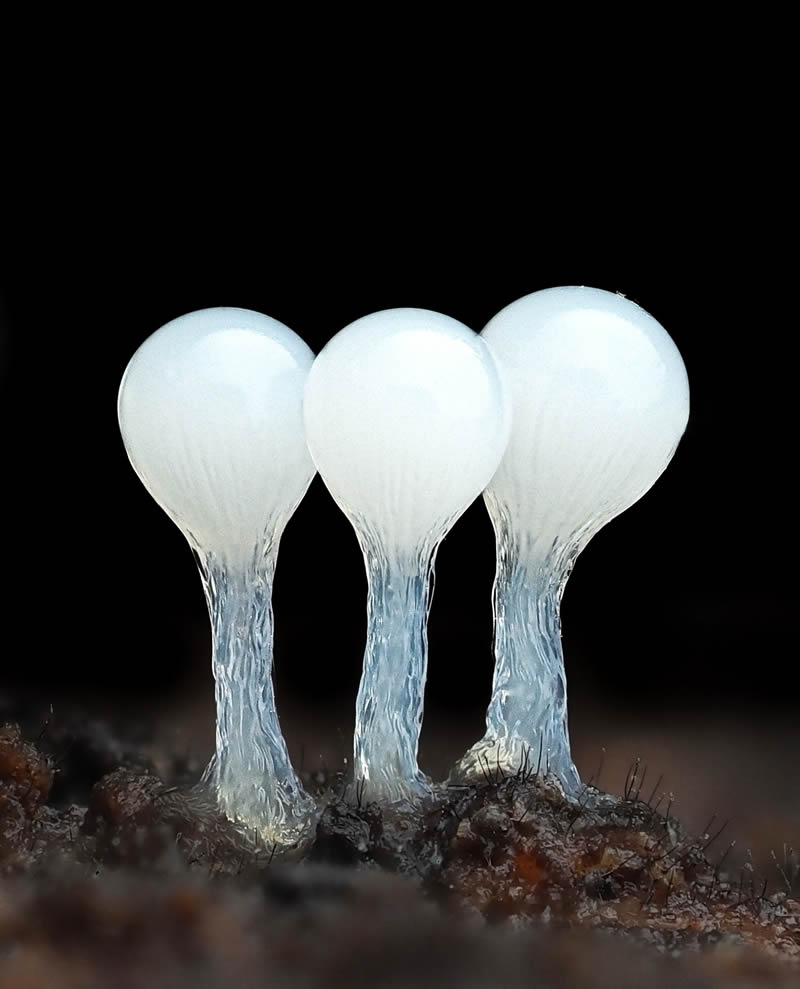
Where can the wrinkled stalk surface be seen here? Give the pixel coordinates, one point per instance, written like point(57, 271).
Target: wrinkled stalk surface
point(390, 698)
point(526, 721)
point(250, 773)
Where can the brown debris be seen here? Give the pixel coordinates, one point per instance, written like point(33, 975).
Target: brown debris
point(149, 881)
point(606, 863)
point(25, 773)
point(138, 821)
point(311, 928)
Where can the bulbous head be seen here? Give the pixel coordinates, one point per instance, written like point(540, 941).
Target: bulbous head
point(406, 418)
point(210, 410)
point(600, 400)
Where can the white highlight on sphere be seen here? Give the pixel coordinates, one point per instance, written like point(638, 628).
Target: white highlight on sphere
point(600, 401)
point(210, 410)
point(407, 419)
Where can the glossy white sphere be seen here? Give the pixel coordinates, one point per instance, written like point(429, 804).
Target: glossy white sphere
point(600, 400)
point(210, 409)
point(407, 419)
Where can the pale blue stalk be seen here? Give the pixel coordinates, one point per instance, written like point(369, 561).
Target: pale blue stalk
point(390, 700)
point(526, 721)
point(251, 774)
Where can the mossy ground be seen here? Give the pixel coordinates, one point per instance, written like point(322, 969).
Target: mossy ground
point(118, 870)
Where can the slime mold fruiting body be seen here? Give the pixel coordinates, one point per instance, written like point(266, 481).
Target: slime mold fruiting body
point(600, 400)
point(210, 410)
point(406, 419)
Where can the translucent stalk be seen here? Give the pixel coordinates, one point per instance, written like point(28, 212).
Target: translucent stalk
point(390, 700)
point(407, 419)
point(600, 400)
point(251, 774)
point(526, 721)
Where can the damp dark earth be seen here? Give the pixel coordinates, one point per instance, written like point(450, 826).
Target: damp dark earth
point(118, 869)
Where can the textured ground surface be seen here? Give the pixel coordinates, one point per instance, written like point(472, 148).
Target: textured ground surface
point(117, 871)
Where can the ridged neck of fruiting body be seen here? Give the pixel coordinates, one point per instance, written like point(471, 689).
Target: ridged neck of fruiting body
point(526, 721)
point(250, 773)
point(390, 699)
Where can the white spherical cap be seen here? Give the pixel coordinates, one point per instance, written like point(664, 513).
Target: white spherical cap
point(210, 409)
point(407, 419)
point(600, 400)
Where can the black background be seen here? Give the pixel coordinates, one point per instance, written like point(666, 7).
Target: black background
point(683, 600)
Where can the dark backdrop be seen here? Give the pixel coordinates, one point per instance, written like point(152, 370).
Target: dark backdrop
point(682, 600)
